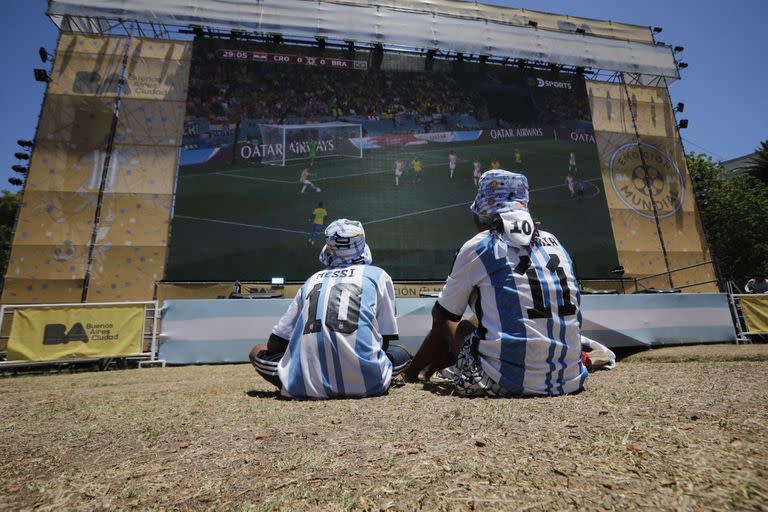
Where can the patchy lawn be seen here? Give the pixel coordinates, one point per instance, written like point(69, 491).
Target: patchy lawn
point(687, 430)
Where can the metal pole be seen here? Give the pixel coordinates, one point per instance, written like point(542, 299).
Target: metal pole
point(648, 184)
point(105, 171)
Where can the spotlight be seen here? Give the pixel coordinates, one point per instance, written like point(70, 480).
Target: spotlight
point(19, 169)
point(680, 107)
point(683, 124)
point(15, 181)
point(678, 49)
point(41, 75)
point(682, 65)
point(43, 54)
point(533, 24)
point(580, 31)
point(657, 30)
point(21, 156)
point(25, 143)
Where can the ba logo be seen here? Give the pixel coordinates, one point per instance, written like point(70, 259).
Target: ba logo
point(636, 183)
point(56, 334)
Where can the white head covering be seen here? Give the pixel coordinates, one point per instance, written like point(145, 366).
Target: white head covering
point(345, 244)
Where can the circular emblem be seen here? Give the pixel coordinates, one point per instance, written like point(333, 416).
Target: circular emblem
point(635, 184)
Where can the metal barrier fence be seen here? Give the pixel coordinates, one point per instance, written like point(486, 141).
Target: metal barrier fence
point(743, 332)
point(146, 353)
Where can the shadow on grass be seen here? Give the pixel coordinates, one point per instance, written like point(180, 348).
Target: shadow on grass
point(258, 393)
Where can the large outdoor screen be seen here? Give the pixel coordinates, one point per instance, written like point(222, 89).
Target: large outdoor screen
point(281, 140)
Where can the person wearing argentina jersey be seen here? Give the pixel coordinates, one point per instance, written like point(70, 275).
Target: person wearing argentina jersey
point(334, 340)
point(525, 336)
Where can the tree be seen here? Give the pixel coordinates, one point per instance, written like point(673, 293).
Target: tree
point(734, 213)
point(9, 205)
point(758, 164)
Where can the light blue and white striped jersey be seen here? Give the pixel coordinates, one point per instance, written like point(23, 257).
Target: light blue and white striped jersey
point(335, 327)
point(527, 302)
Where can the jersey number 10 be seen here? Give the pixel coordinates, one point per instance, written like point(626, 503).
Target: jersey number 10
point(342, 313)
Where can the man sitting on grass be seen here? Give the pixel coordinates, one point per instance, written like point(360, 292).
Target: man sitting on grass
point(334, 340)
point(525, 338)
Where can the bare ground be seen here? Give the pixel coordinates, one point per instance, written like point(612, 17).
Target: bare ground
point(685, 431)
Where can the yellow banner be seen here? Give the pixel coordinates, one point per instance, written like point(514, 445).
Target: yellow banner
point(755, 310)
point(61, 332)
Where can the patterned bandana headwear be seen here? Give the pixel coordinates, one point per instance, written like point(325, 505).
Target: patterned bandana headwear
point(505, 194)
point(345, 244)
point(500, 191)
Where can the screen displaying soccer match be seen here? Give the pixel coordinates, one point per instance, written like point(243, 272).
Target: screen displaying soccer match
point(281, 140)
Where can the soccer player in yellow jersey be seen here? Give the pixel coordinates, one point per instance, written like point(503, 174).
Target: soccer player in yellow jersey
point(416, 166)
point(495, 164)
point(318, 219)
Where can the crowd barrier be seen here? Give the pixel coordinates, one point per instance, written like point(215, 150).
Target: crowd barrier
point(45, 333)
point(223, 331)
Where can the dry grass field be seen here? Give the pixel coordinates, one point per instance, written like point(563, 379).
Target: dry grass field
point(673, 429)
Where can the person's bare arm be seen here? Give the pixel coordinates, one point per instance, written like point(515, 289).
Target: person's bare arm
point(440, 347)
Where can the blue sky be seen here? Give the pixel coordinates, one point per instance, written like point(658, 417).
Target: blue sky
point(724, 88)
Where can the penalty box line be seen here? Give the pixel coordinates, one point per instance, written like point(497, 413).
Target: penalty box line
point(376, 221)
point(420, 212)
point(233, 172)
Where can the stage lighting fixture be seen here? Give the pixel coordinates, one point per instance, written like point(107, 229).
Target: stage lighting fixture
point(682, 65)
point(657, 30)
point(19, 169)
point(320, 42)
point(25, 143)
point(15, 181)
point(43, 54)
point(683, 124)
point(580, 31)
point(678, 49)
point(22, 156)
point(533, 24)
point(680, 107)
point(41, 75)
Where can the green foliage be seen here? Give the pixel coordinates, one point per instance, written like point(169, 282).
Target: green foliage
point(734, 213)
point(758, 165)
point(9, 204)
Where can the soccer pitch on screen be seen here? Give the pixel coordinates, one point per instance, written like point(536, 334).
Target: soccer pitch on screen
point(252, 222)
